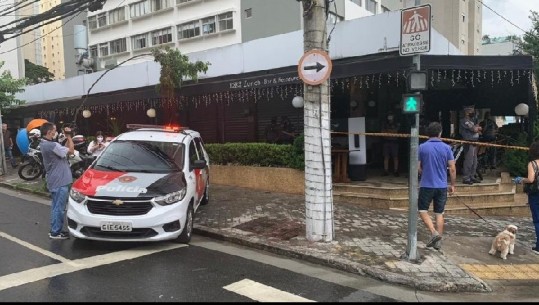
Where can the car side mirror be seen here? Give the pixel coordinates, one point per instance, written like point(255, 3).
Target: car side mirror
point(198, 164)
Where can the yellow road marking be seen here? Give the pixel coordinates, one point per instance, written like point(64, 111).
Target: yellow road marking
point(503, 272)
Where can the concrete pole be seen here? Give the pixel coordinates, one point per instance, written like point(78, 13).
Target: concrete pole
point(318, 175)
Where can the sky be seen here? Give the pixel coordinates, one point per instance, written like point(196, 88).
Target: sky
point(516, 11)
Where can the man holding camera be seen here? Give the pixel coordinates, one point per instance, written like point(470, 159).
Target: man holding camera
point(58, 176)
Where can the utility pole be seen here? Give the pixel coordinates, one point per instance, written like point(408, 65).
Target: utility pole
point(318, 175)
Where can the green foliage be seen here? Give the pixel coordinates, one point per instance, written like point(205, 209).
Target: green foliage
point(256, 154)
point(298, 153)
point(175, 68)
point(8, 87)
point(36, 73)
point(516, 160)
point(530, 44)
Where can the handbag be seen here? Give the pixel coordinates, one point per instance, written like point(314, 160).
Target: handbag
point(533, 188)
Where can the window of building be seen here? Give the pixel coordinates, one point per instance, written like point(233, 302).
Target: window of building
point(118, 46)
point(104, 49)
point(385, 9)
point(333, 18)
point(463, 18)
point(92, 22)
point(102, 19)
point(140, 41)
point(225, 21)
point(248, 13)
point(161, 36)
point(139, 9)
point(189, 30)
point(371, 6)
point(182, 1)
point(208, 25)
point(117, 15)
point(93, 51)
point(158, 5)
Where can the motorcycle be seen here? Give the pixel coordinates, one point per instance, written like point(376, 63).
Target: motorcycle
point(33, 167)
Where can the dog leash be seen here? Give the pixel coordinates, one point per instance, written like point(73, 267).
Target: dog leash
point(473, 211)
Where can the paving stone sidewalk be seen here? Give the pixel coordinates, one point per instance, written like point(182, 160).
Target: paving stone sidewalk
point(367, 241)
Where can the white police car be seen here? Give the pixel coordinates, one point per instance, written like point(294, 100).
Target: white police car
point(145, 186)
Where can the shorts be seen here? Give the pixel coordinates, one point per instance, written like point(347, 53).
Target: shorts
point(391, 150)
point(437, 195)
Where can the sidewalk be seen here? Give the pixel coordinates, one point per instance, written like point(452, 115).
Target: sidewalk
point(367, 241)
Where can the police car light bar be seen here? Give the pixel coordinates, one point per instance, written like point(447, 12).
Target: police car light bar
point(162, 127)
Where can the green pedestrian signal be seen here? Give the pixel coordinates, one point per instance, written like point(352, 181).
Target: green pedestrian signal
point(411, 103)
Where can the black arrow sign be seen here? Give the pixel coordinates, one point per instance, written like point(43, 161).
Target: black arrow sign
point(318, 67)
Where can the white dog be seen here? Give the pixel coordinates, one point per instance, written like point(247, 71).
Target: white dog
point(504, 242)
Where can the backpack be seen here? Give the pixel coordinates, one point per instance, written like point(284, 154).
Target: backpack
point(533, 188)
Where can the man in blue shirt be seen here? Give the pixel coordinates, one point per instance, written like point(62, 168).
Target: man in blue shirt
point(58, 176)
point(435, 157)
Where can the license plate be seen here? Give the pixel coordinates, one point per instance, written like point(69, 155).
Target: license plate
point(116, 226)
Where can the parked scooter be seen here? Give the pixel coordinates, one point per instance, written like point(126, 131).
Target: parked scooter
point(32, 162)
point(32, 166)
point(81, 159)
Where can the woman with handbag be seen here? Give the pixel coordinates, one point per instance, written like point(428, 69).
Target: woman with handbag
point(531, 187)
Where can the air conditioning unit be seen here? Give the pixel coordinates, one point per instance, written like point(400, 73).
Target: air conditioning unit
point(111, 63)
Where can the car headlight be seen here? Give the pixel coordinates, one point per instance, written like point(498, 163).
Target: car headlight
point(77, 196)
point(171, 198)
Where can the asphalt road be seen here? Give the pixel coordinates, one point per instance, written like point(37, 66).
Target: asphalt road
point(37, 269)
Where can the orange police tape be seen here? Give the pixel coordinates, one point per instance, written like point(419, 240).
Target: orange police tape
point(405, 135)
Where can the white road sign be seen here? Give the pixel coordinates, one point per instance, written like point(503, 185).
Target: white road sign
point(415, 30)
point(315, 67)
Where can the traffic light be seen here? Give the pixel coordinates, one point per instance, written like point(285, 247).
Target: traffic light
point(411, 103)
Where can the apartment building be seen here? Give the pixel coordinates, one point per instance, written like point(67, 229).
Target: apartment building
point(505, 45)
point(460, 21)
point(52, 45)
point(10, 51)
point(126, 28)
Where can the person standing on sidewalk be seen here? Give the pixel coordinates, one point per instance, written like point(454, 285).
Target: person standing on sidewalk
point(390, 147)
point(435, 157)
point(58, 176)
point(8, 145)
point(469, 131)
point(533, 196)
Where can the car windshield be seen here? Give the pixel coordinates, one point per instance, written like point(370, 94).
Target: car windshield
point(141, 156)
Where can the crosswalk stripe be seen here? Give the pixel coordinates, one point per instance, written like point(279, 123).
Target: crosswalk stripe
point(34, 248)
point(41, 273)
point(262, 293)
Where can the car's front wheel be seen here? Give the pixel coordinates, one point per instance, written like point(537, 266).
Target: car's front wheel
point(185, 236)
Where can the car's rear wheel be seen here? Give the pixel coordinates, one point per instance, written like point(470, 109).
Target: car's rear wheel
point(206, 197)
point(185, 236)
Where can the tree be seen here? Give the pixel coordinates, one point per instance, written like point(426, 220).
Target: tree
point(8, 87)
point(36, 73)
point(530, 43)
point(175, 69)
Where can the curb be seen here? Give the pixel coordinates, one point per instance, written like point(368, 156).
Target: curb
point(425, 284)
point(25, 189)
